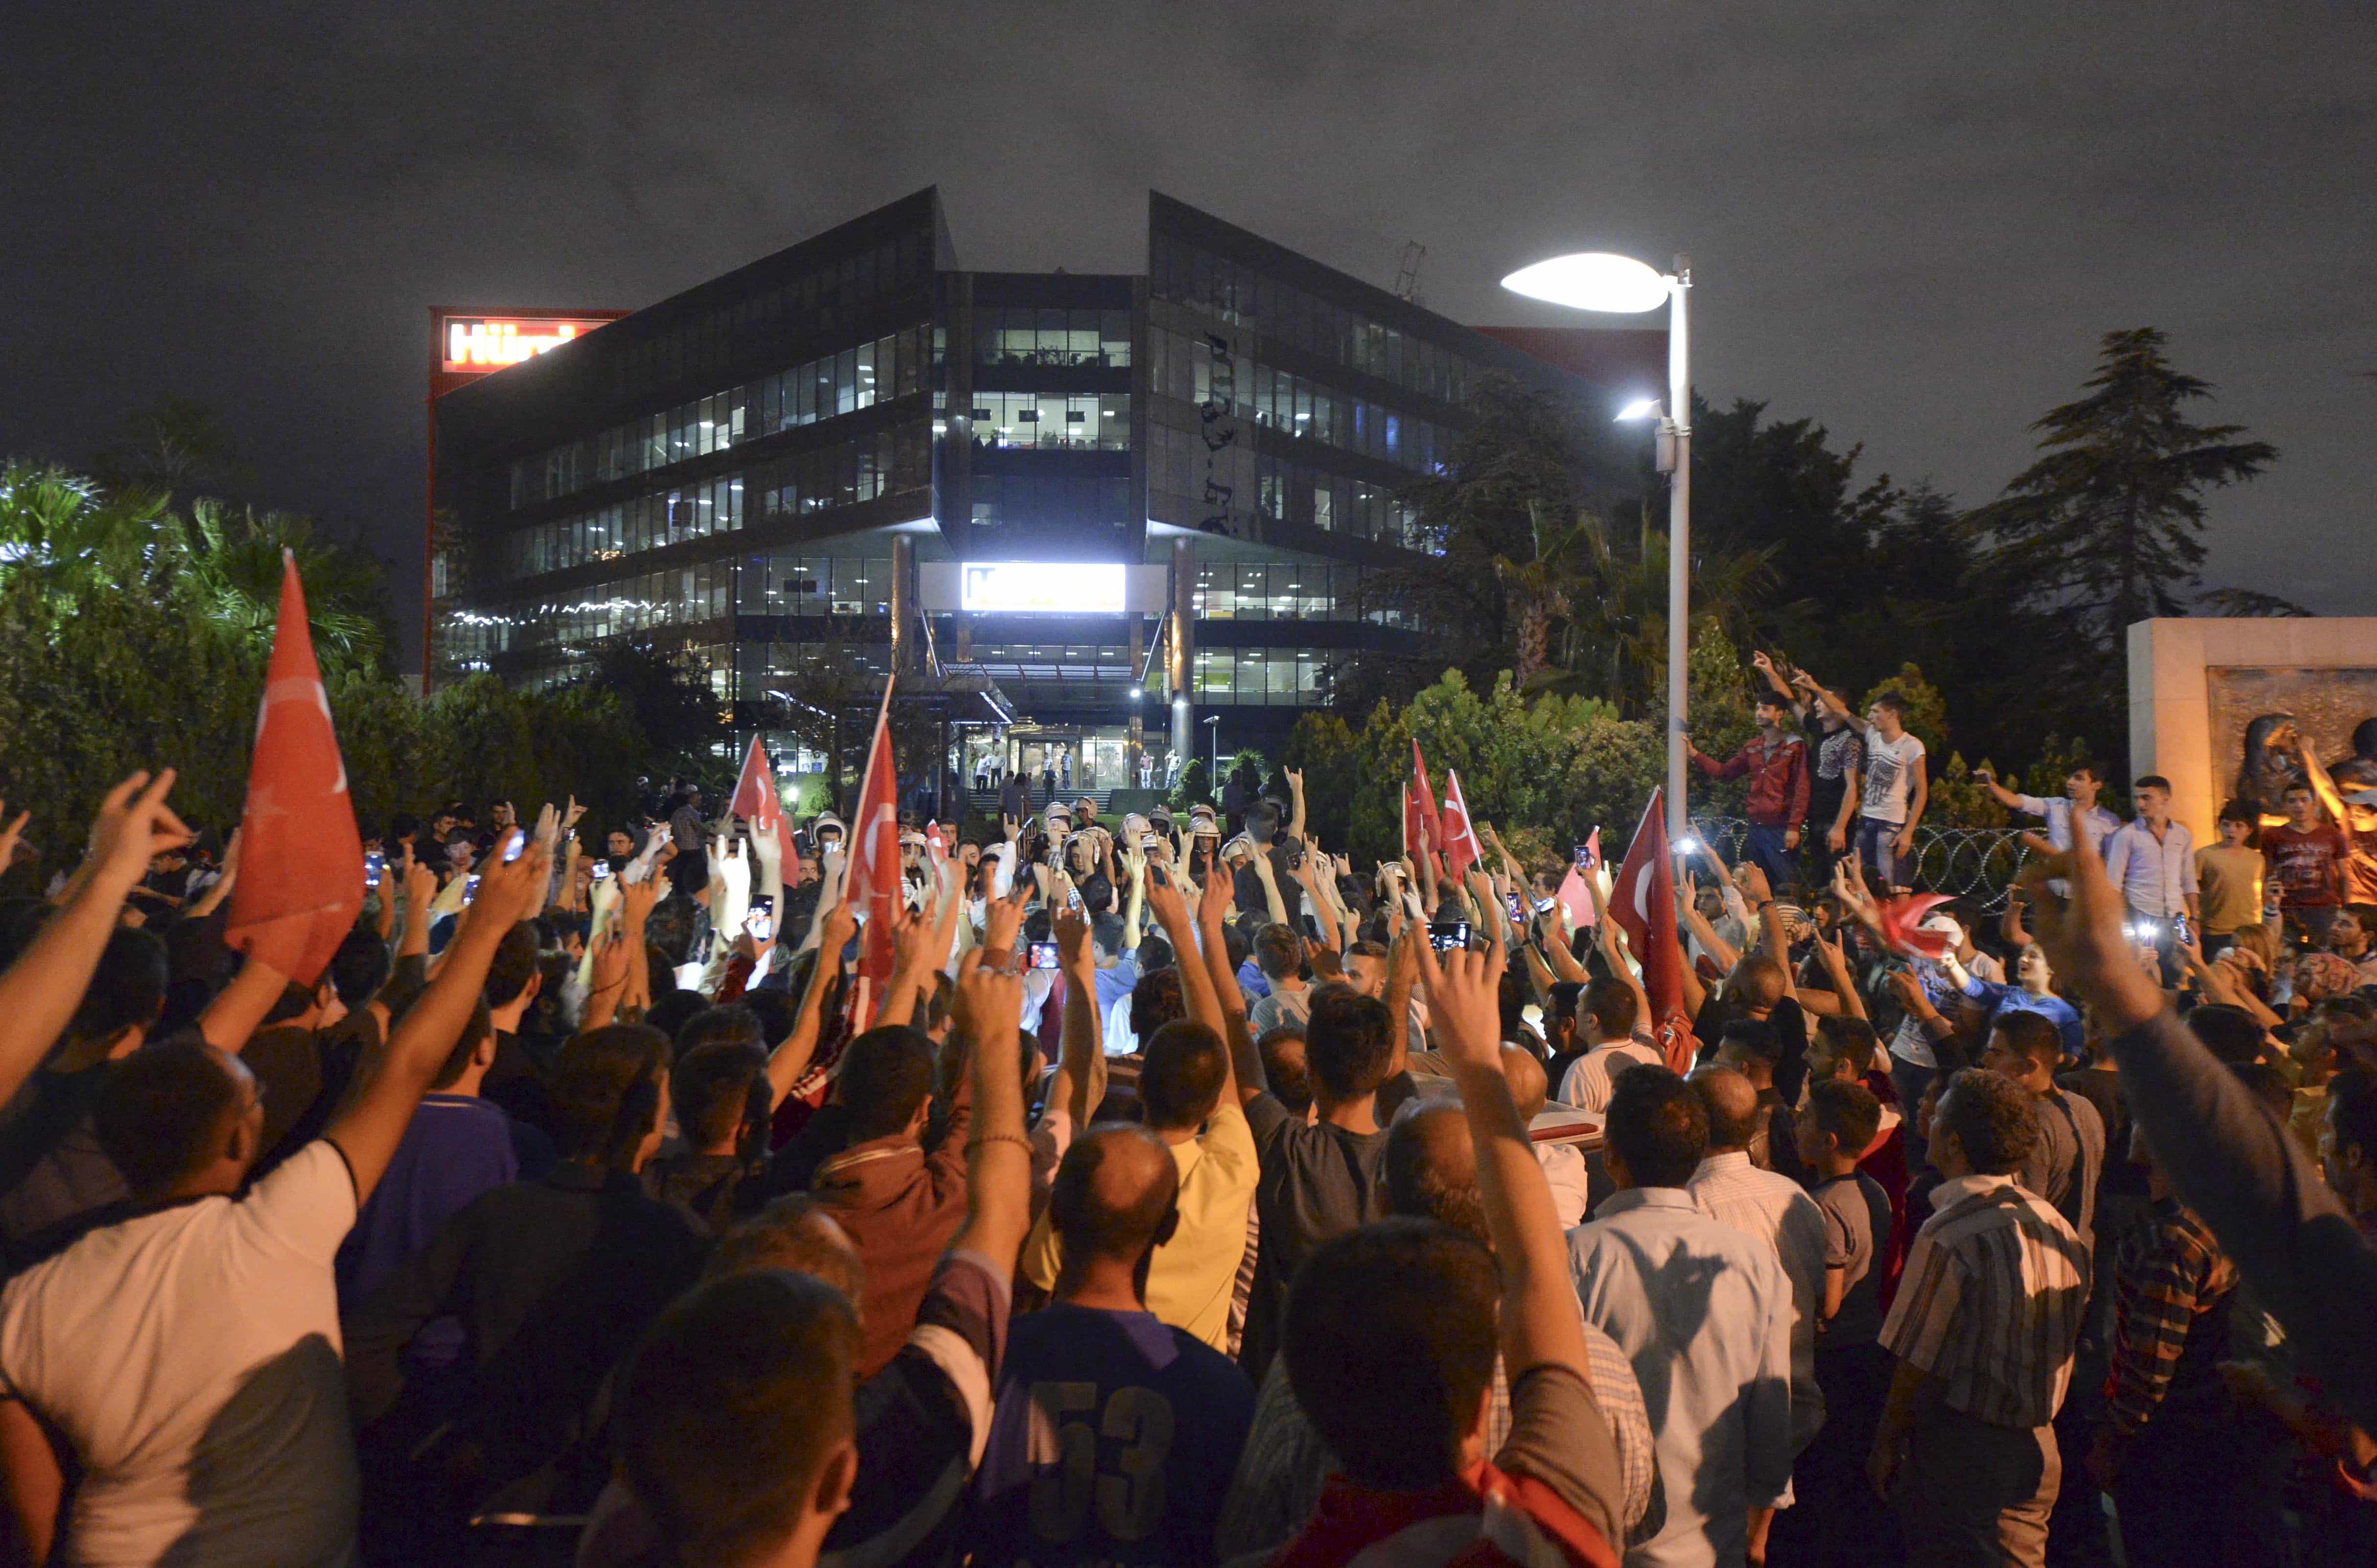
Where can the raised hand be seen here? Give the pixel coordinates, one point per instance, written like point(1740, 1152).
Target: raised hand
point(2086, 939)
point(133, 827)
point(1464, 1007)
point(839, 924)
point(1751, 880)
point(569, 818)
point(1072, 933)
point(510, 890)
point(10, 834)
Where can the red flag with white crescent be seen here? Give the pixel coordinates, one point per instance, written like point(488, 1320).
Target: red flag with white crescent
point(756, 802)
point(873, 889)
point(1424, 799)
point(1642, 903)
point(301, 881)
point(1460, 850)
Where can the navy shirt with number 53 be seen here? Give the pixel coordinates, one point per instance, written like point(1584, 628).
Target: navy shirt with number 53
point(1113, 1442)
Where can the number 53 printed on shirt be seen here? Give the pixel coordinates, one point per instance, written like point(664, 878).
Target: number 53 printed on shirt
point(1135, 1430)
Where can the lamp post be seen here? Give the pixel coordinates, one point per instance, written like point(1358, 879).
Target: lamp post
point(1600, 281)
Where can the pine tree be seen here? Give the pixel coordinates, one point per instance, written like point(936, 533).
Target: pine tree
point(2106, 528)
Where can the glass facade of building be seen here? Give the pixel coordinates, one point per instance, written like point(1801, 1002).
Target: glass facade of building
point(726, 471)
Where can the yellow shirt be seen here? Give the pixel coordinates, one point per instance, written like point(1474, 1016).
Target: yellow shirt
point(1189, 1282)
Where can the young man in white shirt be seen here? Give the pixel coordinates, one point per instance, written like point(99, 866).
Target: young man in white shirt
point(1613, 1014)
point(188, 1356)
point(2152, 860)
point(1896, 789)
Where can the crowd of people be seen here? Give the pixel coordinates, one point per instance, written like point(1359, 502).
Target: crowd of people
point(1183, 1195)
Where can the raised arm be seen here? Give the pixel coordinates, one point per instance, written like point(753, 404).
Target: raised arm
point(42, 989)
point(368, 1131)
point(1080, 1082)
point(1542, 1325)
point(998, 1155)
point(792, 1054)
point(1295, 795)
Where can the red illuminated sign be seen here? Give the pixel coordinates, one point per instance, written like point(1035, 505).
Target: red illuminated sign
point(472, 345)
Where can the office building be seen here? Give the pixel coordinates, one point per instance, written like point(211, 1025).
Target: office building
point(1093, 511)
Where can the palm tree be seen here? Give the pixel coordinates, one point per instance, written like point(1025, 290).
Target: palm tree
point(230, 573)
point(76, 538)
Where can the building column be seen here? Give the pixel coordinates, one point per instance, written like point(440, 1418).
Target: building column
point(1135, 737)
point(1183, 662)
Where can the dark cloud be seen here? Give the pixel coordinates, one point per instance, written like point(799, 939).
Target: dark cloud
point(1908, 222)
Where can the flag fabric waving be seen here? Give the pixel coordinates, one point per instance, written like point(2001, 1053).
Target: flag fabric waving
point(872, 884)
point(1460, 850)
point(1902, 925)
point(301, 859)
point(1642, 903)
point(1424, 800)
point(756, 802)
point(1414, 825)
point(1572, 893)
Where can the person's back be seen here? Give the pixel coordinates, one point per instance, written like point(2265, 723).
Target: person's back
point(189, 1356)
point(1610, 1016)
point(1319, 1179)
point(1703, 1311)
point(2067, 1158)
point(1774, 1209)
point(1147, 1419)
point(899, 1201)
point(551, 1280)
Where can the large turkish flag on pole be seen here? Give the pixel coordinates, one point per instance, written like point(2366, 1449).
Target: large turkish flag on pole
point(301, 860)
point(1425, 800)
point(1642, 903)
point(873, 889)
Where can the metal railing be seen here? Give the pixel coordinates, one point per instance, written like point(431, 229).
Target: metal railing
point(1975, 865)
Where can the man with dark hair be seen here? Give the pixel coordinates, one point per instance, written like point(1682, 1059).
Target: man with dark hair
point(1771, 1207)
point(551, 1280)
point(2074, 812)
point(1392, 1335)
point(2152, 860)
point(1317, 1179)
point(1279, 954)
point(2068, 1156)
point(185, 1357)
point(1285, 1070)
point(2229, 878)
point(712, 1089)
point(735, 1430)
point(456, 1147)
point(51, 1167)
point(899, 1201)
point(1983, 1329)
point(1098, 1362)
point(1776, 761)
point(1828, 1526)
point(1611, 1020)
point(921, 1421)
point(2306, 855)
point(1896, 788)
point(1717, 1378)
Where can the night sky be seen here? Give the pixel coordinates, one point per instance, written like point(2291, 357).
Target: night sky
point(1908, 222)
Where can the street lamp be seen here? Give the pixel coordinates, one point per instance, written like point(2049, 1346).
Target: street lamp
point(1214, 725)
point(1600, 281)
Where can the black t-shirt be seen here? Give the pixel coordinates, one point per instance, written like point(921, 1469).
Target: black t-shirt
point(52, 1168)
point(1317, 1181)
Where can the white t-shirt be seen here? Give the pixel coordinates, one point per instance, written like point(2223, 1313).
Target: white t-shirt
point(1889, 776)
point(191, 1356)
point(1591, 1077)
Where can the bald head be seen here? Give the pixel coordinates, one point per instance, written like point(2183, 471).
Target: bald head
point(1432, 1166)
point(1529, 1089)
point(1732, 1105)
point(1115, 1195)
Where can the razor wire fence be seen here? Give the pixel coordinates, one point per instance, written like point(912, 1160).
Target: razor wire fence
point(1975, 866)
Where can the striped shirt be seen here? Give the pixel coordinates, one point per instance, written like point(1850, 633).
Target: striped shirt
point(2170, 1328)
point(1992, 1301)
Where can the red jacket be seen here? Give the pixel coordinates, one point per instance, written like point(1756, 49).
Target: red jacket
point(1778, 779)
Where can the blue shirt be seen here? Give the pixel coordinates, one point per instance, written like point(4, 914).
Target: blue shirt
point(1113, 1442)
point(1251, 982)
point(455, 1147)
point(2056, 810)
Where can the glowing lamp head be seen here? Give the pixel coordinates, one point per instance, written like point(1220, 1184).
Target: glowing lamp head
point(1135, 693)
point(1685, 844)
point(1641, 408)
point(1593, 279)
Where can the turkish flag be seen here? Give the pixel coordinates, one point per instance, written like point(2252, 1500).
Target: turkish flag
point(1460, 850)
point(1414, 825)
point(300, 881)
point(1424, 799)
point(872, 887)
point(756, 802)
point(1572, 892)
point(1642, 903)
point(1902, 922)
